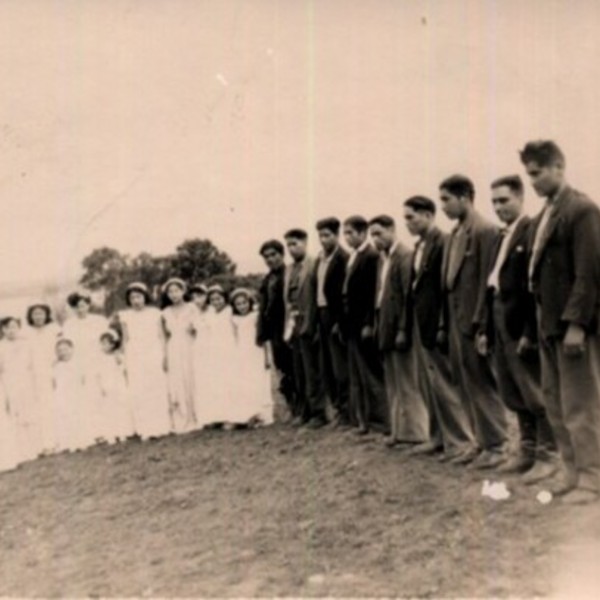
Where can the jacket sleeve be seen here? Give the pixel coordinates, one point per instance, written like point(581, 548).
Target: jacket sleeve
point(260, 319)
point(582, 304)
point(485, 247)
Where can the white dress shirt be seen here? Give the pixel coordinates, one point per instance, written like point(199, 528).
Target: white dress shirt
point(324, 261)
point(494, 278)
point(384, 272)
point(355, 252)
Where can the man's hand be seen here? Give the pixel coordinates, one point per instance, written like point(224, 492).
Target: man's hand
point(482, 344)
point(401, 342)
point(366, 332)
point(525, 347)
point(574, 342)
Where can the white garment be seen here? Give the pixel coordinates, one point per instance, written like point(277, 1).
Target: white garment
point(16, 367)
point(9, 457)
point(252, 392)
point(179, 326)
point(494, 278)
point(202, 374)
point(324, 262)
point(383, 272)
point(355, 252)
point(144, 347)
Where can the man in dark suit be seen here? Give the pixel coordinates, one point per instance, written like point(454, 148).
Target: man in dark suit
point(300, 331)
point(564, 274)
point(367, 396)
point(464, 278)
point(330, 271)
point(408, 416)
point(513, 334)
point(270, 326)
point(450, 429)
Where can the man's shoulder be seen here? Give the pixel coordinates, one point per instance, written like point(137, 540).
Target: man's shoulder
point(579, 202)
point(482, 226)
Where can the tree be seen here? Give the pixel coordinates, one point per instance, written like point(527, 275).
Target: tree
point(103, 269)
point(200, 260)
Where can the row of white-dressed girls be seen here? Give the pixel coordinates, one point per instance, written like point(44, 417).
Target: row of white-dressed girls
point(193, 364)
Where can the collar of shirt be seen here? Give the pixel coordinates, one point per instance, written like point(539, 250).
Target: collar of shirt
point(361, 248)
point(327, 258)
point(509, 229)
point(391, 250)
point(551, 200)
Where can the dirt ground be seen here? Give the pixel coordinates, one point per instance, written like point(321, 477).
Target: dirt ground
point(275, 512)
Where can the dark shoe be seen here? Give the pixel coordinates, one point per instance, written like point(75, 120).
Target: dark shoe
point(488, 459)
point(425, 449)
point(316, 423)
point(579, 497)
point(362, 430)
point(297, 422)
point(542, 469)
point(517, 464)
point(390, 441)
point(466, 457)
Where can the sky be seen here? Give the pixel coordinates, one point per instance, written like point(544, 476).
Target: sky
point(138, 124)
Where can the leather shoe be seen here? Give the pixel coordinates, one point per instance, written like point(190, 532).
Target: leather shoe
point(516, 464)
point(580, 496)
point(488, 460)
point(316, 423)
point(543, 469)
point(425, 449)
point(466, 457)
point(562, 485)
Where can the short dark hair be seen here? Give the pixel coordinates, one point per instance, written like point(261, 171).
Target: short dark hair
point(357, 223)
point(330, 223)
point(421, 204)
point(43, 307)
point(459, 186)
point(296, 234)
point(275, 245)
point(542, 152)
point(383, 220)
point(75, 298)
point(513, 182)
point(6, 321)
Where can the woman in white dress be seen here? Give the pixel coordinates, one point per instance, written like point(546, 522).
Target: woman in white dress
point(16, 370)
point(116, 420)
point(8, 444)
point(43, 333)
point(84, 329)
point(198, 294)
point(145, 362)
point(220, 349)
point(253, 403)
point(179, 318)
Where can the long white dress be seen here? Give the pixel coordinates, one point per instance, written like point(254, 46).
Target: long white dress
point(147, 382)
point(43, 346)
point(252, 398)
point(16, 367)
point(115, 419)
point(218, 385)
point(9, 458)
point(179, 327)
point(201, 350)
point(72, 408)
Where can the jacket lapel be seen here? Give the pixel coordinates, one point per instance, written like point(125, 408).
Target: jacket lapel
point(461, 249)
point(428, 247)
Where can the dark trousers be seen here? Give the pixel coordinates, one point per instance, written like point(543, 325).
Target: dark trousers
point(310, 401)
point(334, 365)
point(519, 382)
point(368, 404)
point(449, 424)
point(571, 390)
point(480, 397)
point(283, 361)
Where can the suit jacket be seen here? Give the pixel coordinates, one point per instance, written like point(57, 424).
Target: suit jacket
point(467, 288)
point(359, 296)
point(271, 313)
point(393, 314)
point(426, 289)
point(513, 292)
point(566, 271)
point(334, 284)
point(306, 318)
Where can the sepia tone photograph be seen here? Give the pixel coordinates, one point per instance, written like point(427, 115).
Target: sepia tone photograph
point(300, 298)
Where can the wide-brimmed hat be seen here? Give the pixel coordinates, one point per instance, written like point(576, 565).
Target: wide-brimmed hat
point(241, 291)
point(138, 286)
point(216, 289)
point(198, 288)
point(175, 281)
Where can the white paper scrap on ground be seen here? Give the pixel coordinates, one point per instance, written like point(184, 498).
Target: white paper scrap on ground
point(544, 497)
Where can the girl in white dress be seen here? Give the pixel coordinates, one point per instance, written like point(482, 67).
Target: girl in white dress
point(71, 408)
point(115, 418)
point(198, 294)
point(253, 401)
point(145, 362)
point(179, 318)
point(8, 444)
point(16, 369)
point(43, 333)
point(219, 383)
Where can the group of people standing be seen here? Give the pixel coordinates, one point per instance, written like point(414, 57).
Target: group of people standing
point(144, 372)
point(432, 345)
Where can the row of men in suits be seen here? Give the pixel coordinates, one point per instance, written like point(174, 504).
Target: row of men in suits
point(433, 345)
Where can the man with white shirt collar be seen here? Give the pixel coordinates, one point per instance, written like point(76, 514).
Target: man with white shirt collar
point(513, 333)
point(330, 273)
point(367, 396)
point(408, 415)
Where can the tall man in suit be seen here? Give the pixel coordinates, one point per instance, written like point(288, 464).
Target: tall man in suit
point(367, 395)
point(464, 278)
point(450, 429)
point(330, 273)
point(270, 326)
point(564, 274)
point(408, 417)
point(300, 331)
point(513, 334)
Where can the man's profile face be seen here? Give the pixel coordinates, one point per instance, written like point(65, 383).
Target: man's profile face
point(354, 238)
point(507, 203)
point(453, 206)
point(383, 237)
point(296, 248)
point(328, 239)
point(273, 259)
point(417, 222)
point(546, 180)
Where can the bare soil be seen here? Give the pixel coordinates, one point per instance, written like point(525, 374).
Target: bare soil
point(271, 512)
